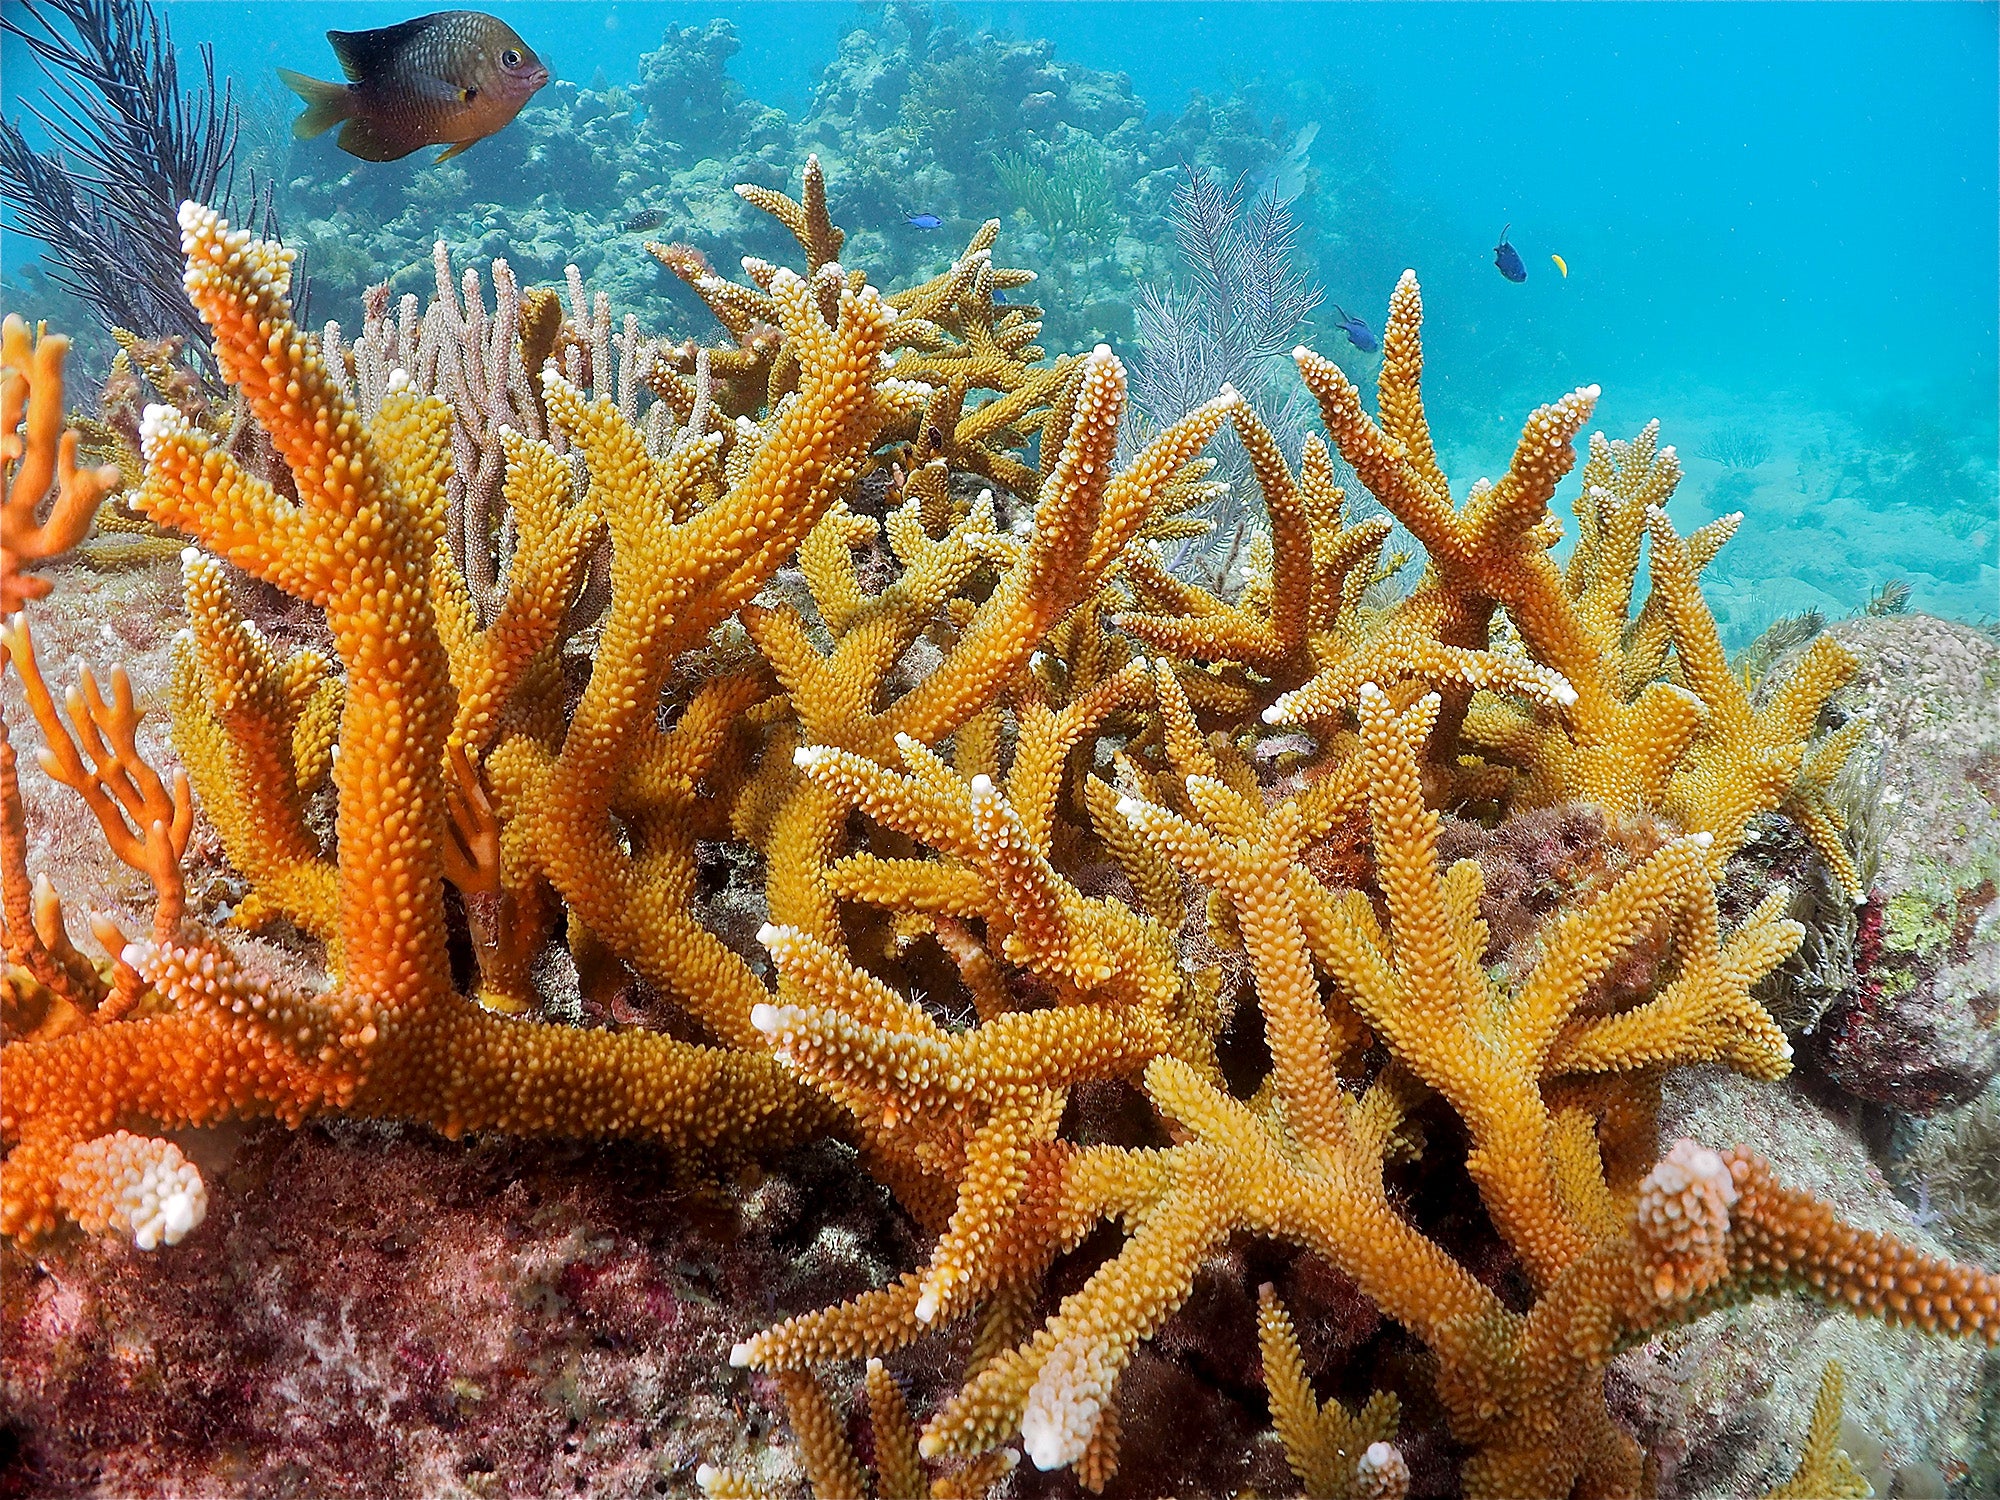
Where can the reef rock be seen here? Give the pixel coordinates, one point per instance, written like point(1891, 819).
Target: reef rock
point(1917, 1028)
point(372, 1310)
point(1720, 1405)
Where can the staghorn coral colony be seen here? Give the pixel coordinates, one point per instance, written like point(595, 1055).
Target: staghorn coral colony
point(1103, 921)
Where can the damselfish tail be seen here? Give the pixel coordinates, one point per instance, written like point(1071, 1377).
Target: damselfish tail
point(327, 104)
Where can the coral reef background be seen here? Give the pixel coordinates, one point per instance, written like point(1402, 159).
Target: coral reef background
point(1731, 265)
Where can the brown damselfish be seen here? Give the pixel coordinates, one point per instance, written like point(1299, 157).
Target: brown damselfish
point(450, 78)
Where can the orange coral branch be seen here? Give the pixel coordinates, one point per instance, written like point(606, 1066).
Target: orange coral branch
point(37, 452)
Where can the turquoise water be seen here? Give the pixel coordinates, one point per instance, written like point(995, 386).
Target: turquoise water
point(1779, 220)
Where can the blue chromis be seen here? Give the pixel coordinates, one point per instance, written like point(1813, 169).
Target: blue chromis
point(1359, 334)
point(447, 79)
point(923, 221)
point(1508, 259)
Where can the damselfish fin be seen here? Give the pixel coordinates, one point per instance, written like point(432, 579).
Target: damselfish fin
point(361, 138)
point(450, 151)
point(367, 55)
point(327, 104)
point(434, 90)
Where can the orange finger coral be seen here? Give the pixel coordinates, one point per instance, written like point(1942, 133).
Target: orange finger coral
point(46, 501)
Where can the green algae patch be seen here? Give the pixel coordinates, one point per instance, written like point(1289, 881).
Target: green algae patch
point(1913, 923)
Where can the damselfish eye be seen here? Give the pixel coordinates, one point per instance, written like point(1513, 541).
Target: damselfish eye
point(510, 58)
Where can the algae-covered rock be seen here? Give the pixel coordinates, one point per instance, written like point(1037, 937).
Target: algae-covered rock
point(1724, 1405)
point(374, 1311)
point(1917, 1028)
point(1949, 1165)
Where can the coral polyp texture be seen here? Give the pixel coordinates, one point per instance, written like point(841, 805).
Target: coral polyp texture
point(1102, 920)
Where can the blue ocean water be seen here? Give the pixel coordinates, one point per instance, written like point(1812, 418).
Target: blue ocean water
point(1778, 220)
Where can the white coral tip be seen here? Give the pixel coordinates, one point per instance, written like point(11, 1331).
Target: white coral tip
point(179, 1212)
point(769, 933)
point(1063, 1410)
point(927, 1307)
point(399, 380)
point(1704, 839)
point(155, 422)
point(1565, 694)
point(1131, 809)
point(739, 1355)
point(765, 1018)
point(1275, 714)
point(982, 785)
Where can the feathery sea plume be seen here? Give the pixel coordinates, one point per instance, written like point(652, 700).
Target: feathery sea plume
point(129, 147)
point(1228, 324)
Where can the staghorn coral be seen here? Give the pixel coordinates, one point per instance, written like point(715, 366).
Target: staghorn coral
point(1824, 1471)
point(390, 1036)
point(1332, 1451)
point(834, 1468)
point(1029, 870)
point(953, 333)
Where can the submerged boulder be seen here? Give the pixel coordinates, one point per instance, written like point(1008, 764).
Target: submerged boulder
point(1919, 1027)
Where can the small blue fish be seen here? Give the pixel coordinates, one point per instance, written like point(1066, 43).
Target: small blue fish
point(923, 221)
point(1508, 259)
point(1359, 334)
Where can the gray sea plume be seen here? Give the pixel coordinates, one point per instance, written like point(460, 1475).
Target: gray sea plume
point(1230, 322)
point(129, 146)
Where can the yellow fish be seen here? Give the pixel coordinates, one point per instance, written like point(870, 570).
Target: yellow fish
point(448, 79)
point(1561, 265)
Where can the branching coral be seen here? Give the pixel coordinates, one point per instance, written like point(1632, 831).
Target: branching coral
point(1039, 825)
point(390, 1036)
point(1334, 1452)
point(953, 333)
point(1824, 1472)
point(46, 501)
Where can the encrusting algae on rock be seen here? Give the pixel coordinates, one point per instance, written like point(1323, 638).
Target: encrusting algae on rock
point(1022, 852)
